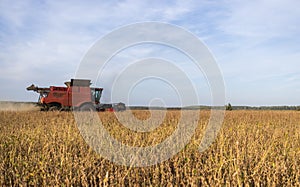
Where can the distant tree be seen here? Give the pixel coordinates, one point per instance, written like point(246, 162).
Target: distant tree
point(298, 108)
point(229, 107)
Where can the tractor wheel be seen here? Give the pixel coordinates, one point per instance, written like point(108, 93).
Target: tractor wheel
point(87, 107)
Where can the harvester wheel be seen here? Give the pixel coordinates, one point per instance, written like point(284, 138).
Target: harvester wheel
point(87, 107)
point(54, 108)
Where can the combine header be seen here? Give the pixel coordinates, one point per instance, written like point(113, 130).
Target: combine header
point(77, 95)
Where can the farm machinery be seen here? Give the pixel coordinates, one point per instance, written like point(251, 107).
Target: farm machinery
point(76, 95)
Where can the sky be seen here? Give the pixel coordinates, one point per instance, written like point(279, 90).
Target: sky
point(254, 43)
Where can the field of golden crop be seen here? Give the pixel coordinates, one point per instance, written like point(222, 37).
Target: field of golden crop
point(253, 148)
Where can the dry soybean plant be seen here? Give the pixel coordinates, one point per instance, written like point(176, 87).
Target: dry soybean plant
point(253, 148)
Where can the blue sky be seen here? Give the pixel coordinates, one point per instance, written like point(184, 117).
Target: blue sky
point(255, 44)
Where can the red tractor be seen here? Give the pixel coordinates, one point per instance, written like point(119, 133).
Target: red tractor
point(77, 95)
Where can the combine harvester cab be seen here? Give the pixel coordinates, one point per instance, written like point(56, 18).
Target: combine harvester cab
point(77, 95)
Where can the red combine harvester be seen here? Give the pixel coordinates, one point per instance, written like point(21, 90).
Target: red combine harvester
point(77, 95)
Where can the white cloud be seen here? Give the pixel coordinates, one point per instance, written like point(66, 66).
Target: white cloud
point(267, 18)
point(15, 13)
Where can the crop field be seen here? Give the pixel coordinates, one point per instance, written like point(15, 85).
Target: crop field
point(253, 148)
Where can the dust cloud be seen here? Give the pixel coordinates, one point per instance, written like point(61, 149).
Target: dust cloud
point(17, 106)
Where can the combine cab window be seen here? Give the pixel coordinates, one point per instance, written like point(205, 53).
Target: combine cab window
point(96, 95)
